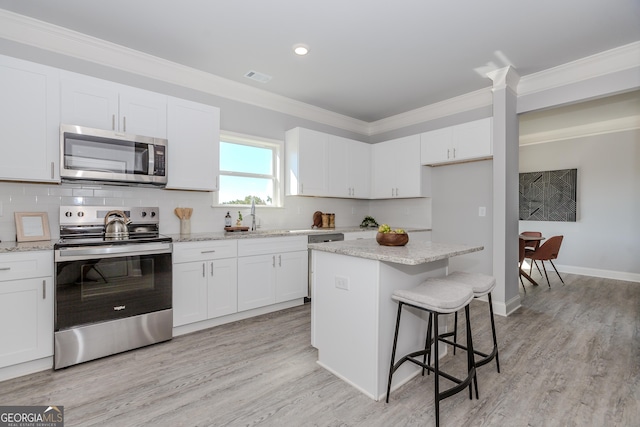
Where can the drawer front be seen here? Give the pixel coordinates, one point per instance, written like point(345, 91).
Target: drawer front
point(270, 245)
point(24, 265)
point(202, 251)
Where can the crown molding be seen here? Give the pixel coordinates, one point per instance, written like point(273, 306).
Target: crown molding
point(32, 32)
point(581, 131)
point(60, 40)
point(469, 101)
point(504, 78)
point(603, 63)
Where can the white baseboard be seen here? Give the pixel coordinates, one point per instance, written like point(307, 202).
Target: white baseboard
point(506, 308)
point(26, 368)
point(594, 272)
point(210, 323)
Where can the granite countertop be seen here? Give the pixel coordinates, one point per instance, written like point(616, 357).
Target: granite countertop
point(224, 235)
point(414, 253)
point(45, 245)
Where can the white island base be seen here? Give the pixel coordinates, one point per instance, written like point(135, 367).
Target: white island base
point(353, 316)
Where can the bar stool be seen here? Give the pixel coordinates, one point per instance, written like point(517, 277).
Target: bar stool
point(481, 285)
point(436, 296)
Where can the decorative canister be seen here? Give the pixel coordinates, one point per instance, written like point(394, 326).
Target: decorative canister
point(325, 220)
point(332, 220)
point(185, 226)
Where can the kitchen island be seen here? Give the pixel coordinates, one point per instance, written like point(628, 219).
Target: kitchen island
point(353, 315)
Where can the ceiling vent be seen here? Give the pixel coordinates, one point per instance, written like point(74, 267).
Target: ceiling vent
point(259, 77)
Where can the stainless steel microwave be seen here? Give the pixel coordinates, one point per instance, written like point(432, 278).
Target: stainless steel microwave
point(88, 154)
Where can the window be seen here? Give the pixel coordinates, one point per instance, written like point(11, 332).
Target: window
point(250, 167)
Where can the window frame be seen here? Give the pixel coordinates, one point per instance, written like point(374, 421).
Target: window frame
point(277, 148)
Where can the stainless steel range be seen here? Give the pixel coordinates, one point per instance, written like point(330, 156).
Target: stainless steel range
point(113, 282)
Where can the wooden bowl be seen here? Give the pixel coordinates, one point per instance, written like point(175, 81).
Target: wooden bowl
point(392, 239)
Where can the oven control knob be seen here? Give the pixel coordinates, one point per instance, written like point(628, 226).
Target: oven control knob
point(80, 214)
point(68, 214)
point(153, 214)
point(143, 213)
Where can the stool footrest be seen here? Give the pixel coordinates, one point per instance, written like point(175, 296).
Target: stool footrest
point(486, 358)
point(410, 357)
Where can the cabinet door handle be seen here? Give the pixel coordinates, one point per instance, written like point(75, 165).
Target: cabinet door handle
point(273, 261)
point(203, 269)
point(113, 122)
point(208, 252)
point(279, 260)
point(397, 192)
point(44, 289)
point(52, 165)
point(301, 188)
point(454, 153)
point(124, 124)
point(5, 268)
point(211, 269)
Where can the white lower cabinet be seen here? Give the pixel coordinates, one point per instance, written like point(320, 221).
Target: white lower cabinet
point(204, 280)
point(271, 270)
point(358, 235)
point(26, 307)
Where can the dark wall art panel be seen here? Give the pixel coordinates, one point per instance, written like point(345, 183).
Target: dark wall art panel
point(548, 195)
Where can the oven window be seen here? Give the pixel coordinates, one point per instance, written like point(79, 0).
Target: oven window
point(103, 289)
point(116, 275)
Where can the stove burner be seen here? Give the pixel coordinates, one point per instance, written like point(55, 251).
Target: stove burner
point(84, 226)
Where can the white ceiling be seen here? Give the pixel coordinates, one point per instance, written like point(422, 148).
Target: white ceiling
point(369, 59)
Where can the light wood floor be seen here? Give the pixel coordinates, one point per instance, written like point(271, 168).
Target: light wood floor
point(569, 357)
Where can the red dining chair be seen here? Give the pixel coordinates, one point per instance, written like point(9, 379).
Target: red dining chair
point(532, 245)
point(548, 251)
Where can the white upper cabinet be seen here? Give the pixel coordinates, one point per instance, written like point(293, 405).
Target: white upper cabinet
point(307, 162)
point(396, 169)
point(359, 172)
point(319, 164)
point(100, 104)
point(30, 111)
point(193, 133)
point(464, 142)
point(349, 168)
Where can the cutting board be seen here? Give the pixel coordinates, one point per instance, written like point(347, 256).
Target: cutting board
point(231, 229)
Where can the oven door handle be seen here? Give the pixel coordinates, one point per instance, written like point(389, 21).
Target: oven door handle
point(71, 254)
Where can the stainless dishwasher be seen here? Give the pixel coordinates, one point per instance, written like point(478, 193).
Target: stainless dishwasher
point(319, 238)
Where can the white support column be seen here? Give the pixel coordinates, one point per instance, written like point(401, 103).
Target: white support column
point(506, 298)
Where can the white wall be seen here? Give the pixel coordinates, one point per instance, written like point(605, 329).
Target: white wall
point(296, 213)
point(605, 239)
point(458, 191)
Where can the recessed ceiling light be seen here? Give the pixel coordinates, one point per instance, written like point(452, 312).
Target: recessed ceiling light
point(301, 49)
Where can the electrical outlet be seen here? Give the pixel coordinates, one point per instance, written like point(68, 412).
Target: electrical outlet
point(482, 211)
point(342, 283)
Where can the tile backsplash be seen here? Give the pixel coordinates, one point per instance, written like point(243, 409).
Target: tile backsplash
point(297, 212)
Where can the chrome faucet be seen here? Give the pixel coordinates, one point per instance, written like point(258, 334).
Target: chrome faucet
point(253, 214)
